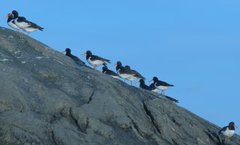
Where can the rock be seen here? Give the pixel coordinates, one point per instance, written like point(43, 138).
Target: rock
point(51, 100)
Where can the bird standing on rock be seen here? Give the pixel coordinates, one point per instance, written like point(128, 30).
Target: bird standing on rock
point(73, 57)
point(146, 87)
point(127, 73)
point(227, 132)
point(143, 85)
point(154, 89)
point(161, 85)
point(11, 23)
point(24, 24)
point(107, 71)
point(94, 60)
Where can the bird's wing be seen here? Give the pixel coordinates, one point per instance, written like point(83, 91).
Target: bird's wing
point(94, 57)
point(112, 73)
point(137, 74)
point(159, 83)
point(33, 25)
point(171, 99)
point(76, 59)
point(223, 129)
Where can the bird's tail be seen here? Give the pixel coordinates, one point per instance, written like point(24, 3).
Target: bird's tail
point(171, 99)
point(40, 28)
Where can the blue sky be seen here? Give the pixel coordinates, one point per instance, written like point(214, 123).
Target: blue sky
point(191, 44)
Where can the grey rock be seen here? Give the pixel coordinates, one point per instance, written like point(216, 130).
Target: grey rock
point(48, 99)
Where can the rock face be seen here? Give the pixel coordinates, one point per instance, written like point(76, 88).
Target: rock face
point(48, 99)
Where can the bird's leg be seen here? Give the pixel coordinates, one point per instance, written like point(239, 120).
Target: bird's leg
point(163, 92)
point(223, 141)
point(94, 67)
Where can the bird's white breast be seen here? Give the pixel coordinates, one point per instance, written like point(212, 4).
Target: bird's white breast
point(132, 77)
point(228, 133)
point(155, 90)
point(21, 24)
point(125, 76)
point(116, 77)
point(11, 24)
point(30, 29)
point(162, 87)
point(95, 62)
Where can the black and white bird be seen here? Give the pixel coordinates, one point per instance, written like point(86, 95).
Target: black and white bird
point(154, 89)
point(227, 131)
point(11, 23)
point(107, 71)
point(135, 74)
point(146, 87)
point(24, 24)
point(161, 85)
point(73, 57)
point(143, 85)
point(127, 73)
point(122, 71)
point(94, 60)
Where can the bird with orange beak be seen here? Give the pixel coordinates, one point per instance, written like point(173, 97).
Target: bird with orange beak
point(227, 132)
point(95, 60)
point(11, 23)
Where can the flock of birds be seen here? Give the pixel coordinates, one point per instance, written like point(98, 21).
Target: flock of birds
point(21, 23)
point(125, 72)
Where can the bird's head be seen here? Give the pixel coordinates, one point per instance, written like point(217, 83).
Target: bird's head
point(68, 51)
point(10, 16)
point(87, 54)
point(104, 68)
point(105, 64)
point(118, 65)
point(232, 125)
point(15, 13)
point(141, 81)
point(155, 79)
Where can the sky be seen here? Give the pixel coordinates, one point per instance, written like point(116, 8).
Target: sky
point(194, 45)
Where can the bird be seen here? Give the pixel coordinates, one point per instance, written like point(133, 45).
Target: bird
point(11, 23)
point(146, 87)
point(94, 60)
point(136, 75)
point(107, 71)
point(73, 57)
point(227, 131)
point(161, 85)
point(122, 71)
point(143, 85)
point(24, 24)
point(154, 89)
point(127, 73)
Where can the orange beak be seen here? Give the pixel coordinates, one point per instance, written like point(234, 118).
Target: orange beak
point(8, 15)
